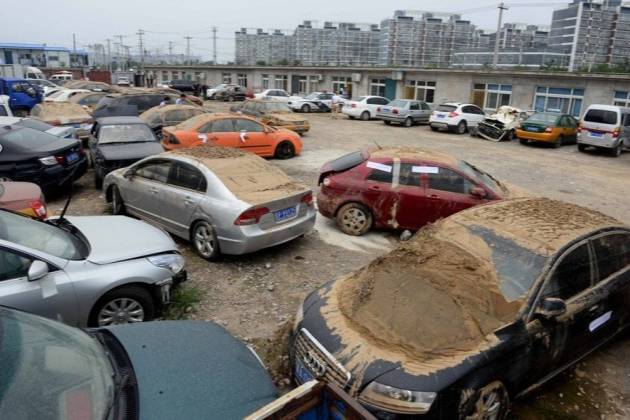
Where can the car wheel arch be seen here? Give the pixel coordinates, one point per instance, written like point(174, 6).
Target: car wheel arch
point(148, 287)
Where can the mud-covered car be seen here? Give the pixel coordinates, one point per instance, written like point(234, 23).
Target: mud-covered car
point(471, 312)
point(65, 114)
point(169, 115)
point(500, 126)
point(273, 113)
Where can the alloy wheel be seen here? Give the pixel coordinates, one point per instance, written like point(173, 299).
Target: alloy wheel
point(285, 150)
point(492, 403)
point(204, 240)
point(121, 311)
point(354, 220)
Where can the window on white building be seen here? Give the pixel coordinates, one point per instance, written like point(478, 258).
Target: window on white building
point(242, 79)
point(264, 81)
point(622, 98)
point(281, 82)
point(165, 76)
point(420, 90)
point(564, 100)
point(226, 78)
point(342, 85)
point(377, 87)
point(491, 96)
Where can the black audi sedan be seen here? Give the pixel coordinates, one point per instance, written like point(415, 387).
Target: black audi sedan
point(36, 156)
point(117, 142)
point(472, 312)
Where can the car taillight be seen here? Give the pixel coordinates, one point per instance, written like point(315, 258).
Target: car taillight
point(548, 130)
point(251, 216)
point(60, 160)
point(453, 114)
point(615, 132)
point(308, 198)
point(39, 209)
point(327, 182)
point(394, 111)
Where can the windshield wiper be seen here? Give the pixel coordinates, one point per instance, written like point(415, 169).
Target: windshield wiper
point(120, 379)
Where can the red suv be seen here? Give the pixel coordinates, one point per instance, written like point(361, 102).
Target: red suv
point(401, 188)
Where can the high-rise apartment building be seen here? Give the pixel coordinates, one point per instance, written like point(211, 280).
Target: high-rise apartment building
point(268, 47)
point(516, 35)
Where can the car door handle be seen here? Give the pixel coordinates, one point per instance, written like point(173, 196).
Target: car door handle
point(593, 308)
point(189, 200)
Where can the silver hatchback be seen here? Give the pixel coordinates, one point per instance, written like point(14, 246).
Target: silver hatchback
point(86, 271)
point(224, 200)
point(405, 112)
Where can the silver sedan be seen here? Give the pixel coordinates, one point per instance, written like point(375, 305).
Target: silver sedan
point(86, 271)
point(224, 200)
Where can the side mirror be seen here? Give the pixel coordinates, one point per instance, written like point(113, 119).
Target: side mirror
point(551, 308)
point(478, 192)
point(37, 270)
point(128, 174)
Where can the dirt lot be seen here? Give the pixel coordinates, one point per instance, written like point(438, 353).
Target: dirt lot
point(254, 296)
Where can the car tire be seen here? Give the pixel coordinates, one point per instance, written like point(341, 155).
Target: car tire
point(351, 117)
point(581, 148)
point(524, 142)
point(434, 128)
point(98, 180)
point(284, 150)
point(354, 219)
point(365, 116)
point(492, 402)
point(230, 99)
point(118, 206)
point(616, 152)
point(306, 108)
point(127, 304)
point(408, 122)
point(204, 240)
point(510, 136)
point(558, 143)
point(387, 122)
point(462, 127)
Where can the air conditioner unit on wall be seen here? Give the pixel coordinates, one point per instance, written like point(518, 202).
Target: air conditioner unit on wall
point(356, 77)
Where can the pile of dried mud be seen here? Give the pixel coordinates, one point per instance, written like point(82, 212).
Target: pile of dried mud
point(62, 111)
point(249, 177)
point(406, 152)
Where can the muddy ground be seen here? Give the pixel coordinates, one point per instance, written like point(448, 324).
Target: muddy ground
point(255, 296)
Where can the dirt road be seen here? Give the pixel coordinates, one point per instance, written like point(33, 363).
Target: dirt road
point(254, 295)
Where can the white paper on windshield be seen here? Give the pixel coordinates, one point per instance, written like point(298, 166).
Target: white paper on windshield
point(379, 166)
point(425, 169)
point(203, 138)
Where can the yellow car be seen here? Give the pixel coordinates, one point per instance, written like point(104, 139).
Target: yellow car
point(548, 127)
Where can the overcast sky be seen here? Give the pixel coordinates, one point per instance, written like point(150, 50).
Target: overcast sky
point(93, 21)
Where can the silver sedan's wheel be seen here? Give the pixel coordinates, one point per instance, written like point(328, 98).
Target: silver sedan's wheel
point(354, 219)
point(121, 311)
point(118, 207)
point(492, 403)
point(205, 240)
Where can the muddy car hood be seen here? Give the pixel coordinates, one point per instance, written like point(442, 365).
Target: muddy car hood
point(126, 151)
point(106, 234)
point(287, 117)
point(193, 370)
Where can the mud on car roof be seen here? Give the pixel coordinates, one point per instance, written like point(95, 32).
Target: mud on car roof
point(412, 153)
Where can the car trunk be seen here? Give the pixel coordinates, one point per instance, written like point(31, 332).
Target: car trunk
point(342, 164)
point(534, 126)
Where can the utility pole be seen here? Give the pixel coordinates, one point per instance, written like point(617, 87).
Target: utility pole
point(214, 45)
point(495, 58)
point(140, 33)
point(109, 54)
point(74, 48)
point(188, 38)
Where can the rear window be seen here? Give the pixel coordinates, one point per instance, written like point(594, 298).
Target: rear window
point(27, 138)
point(35, 124)
point(398, 104)
point(446, 108)
point(601, 116)
point(543, 118)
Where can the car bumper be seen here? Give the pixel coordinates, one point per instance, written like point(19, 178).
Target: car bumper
point(50, 178)
point(253, 238)
point(352, 112)
point(542, 137)
point(605, 142)
point(391, 118)
point(447, 124)
point(297, 128)
point(326, 205)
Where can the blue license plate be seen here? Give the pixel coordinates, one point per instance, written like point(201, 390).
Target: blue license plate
point(302, 374)
point(597, 134)
point(72, 157)
point(441, 115)
point(285, 214)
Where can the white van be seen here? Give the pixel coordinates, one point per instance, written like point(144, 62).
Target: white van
point(62, 75)
point(605, 127)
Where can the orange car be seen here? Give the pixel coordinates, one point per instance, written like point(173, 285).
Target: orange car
point(548, 127)
point(231, 130)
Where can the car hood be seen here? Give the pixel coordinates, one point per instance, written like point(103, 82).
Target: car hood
point(125, 151)
point(106, 234)
point(193, 370)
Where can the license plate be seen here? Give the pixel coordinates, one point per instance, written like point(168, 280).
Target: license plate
point(285, 214)
point(72, 157)
point(441, 115)
point(302, 374)
point(533, 129)
point(597, 134)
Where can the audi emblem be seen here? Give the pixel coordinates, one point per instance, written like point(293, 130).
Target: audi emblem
point(314, 365)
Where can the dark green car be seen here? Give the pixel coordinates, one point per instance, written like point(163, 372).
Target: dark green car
point(153, 370)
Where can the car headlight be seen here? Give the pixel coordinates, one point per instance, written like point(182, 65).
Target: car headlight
point(397, 400)
point(173, 262)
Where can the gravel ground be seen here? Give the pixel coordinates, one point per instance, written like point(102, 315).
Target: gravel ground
point(255, 296)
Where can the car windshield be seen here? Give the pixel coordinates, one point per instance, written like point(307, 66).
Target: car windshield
point(42, 236)
point(481, 177)
point(276, 107)
point(543, 118)
point(446, 108)
point(34, 124)
point(398, 104)
point(50, 370)
point(57, 94)
point(125, 133)
point(601, 116)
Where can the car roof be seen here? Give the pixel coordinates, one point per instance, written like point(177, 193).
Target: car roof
point(608, 108)
point(9, 120)
point(411, 153)
point(119, 120)
point(168, 108)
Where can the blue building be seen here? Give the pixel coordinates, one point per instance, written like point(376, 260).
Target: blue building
point(42, 55)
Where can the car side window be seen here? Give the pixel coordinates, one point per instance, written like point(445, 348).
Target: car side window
point(414, 106)
point(12, 265)
point(379, 174)
point(408, 176)
point(449, 181)
point(571, 276)
point(187, 176)
point(372, 101)
point(154, 171)
point(383, 101)
point(248, 125)
point(612, 253)
point(225, 125)
point(424, 106)
point(626, 120)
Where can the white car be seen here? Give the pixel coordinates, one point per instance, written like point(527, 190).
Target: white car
point(280, 95)
point(315, 102)
point(64, 95)
point(5, 111)
point(365, 107)
point(211, 91)
point(456, 117)
point(46, 85)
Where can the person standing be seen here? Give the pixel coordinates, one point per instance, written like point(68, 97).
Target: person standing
point(180, 100)
point(336, 104)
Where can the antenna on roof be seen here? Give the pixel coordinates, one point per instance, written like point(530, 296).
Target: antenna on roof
point(377, 145)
